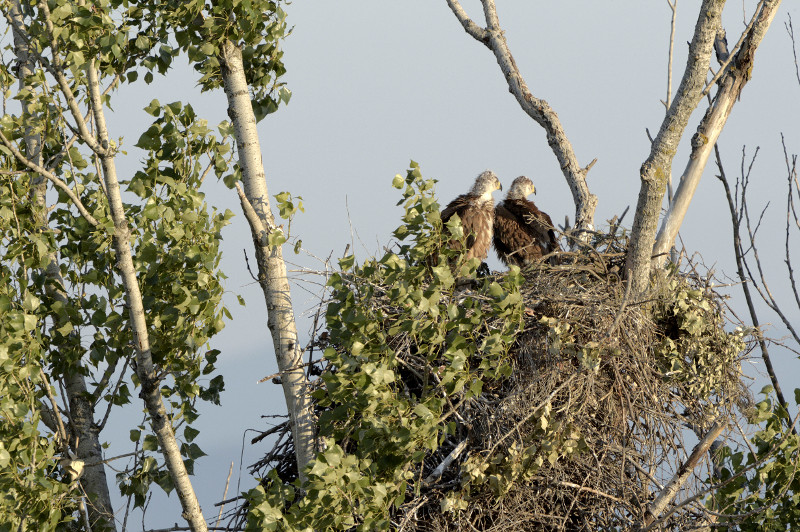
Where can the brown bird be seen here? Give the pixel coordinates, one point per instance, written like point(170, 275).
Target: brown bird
point(476, 211)
point(522, 233)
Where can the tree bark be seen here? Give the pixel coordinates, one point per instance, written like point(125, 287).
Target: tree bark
point(271, 266)
point(492, 36)
point(655, 171)
point(145, 369)
point(672, 488)
point(737, 74)
point(93, 480)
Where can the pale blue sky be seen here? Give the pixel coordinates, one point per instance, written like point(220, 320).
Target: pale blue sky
point(377, 83)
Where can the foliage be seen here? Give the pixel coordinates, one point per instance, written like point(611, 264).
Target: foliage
point(202, 28)
point(35, 495)
point(377, 432)
point(592, 387)
point(695, 349)
point(175, 238)
point(760, 489)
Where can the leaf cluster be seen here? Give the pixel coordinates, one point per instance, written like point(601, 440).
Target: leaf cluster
point(35, 493)
point(759, 487)
point(201, 29)
point(407, 345)
point(696, 350)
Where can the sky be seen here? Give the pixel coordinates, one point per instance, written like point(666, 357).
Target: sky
point(376, 84)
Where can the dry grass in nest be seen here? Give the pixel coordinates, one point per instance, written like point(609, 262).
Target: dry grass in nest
point(630, 424)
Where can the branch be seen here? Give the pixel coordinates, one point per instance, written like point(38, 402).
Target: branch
point(51, 177)
point(736, 75)
point(58, 74)
point(62, 431)
point(737, 248)
point(749, 467)
point(790, 31)
point(539, 110)
point(658, 165)
point(470, 27)
point(440, 469)
point(674, 485)
point(116, 389)
point(731, 55)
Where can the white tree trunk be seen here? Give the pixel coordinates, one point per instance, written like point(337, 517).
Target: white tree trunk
point(271, 267)
point(736, 75)
point(93, 480)
point(151, 391)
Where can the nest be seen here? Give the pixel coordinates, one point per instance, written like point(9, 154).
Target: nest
point(590, 425)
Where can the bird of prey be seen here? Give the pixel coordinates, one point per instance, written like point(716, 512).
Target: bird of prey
point(522, 233)
point(476, 211)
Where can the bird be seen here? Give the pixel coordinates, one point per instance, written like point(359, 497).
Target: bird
point(476, 211)
point(522, 233)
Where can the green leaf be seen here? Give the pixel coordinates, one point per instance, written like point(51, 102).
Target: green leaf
point(150, 443)
point(190, 434)
point(207, 48)
point(346, 263)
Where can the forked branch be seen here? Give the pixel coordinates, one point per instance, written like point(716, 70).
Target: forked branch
point(736, 74)
point(492, 36)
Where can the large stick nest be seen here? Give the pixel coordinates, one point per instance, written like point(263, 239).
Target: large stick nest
point(596, 417)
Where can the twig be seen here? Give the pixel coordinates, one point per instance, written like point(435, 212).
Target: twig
point(287, 370)
point(737, 248)
point(224, 494)
point(440, 469)
point(790, 31)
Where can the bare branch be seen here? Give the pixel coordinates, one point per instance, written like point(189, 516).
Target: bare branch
point(790, 31)
point(538, 109)
point(738, 252)
point(63, 437)
point(658, 165)
point(731, 55)
point(440, 469)
point(674, 7)
point(469, 25)
point(670, 491)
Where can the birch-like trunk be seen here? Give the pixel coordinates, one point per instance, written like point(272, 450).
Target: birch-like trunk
point(655, 171)
point(93, 480)
point(271, 266)
point(151, 391)
point(736, 75)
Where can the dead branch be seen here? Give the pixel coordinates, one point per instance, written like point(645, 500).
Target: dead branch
point(681, 476)
point(539, 110)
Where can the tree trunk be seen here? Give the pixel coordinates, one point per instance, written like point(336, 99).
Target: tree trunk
point(151, 391)
point(731, 83)
point(271, 267)
point(655, 171)
point(93, 480)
